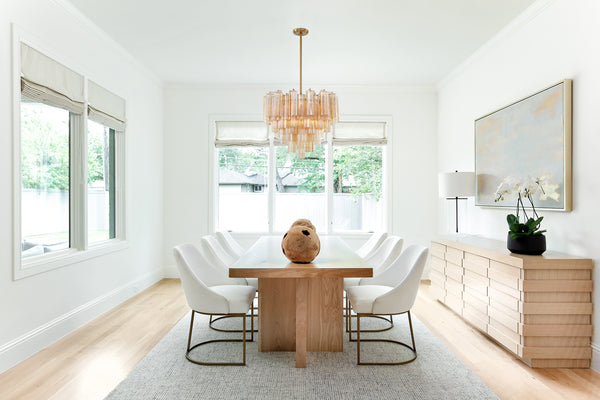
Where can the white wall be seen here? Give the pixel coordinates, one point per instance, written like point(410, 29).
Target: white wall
point(554, 40)
point(37, 310)
point(187, 111)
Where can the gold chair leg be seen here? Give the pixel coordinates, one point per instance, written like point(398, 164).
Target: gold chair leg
point(211, 321)
point(243, 340)
point(412, 336)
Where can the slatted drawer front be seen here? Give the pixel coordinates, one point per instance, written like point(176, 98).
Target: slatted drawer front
point(514, 315)
point(454, 256)
point(503, 339)
point(453, 287)
point(562, 319)
point(476, 282)
point(505, 274)
point(557, 341)
point(557, 286)
point(437, 279)
point(478, 269)
point(539, 308)
point(454, 302)
point(506, 331)
point(504, 319)
point(506, 300)
point(438, 250)
point(454, 271)
point(437, 292)
point(559, 363)
point(560, 274)
point(438, 264)
point(480, 321)
point(475, 301)
point(494, 284)
point(438, 284)
point(558, 297)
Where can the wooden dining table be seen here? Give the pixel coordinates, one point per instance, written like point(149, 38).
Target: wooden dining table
point(300, 306)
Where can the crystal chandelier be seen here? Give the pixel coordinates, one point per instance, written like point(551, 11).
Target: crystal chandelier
point(301, 120)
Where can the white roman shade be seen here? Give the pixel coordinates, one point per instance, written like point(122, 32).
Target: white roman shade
point(241, 133)
point(358, 133)
point(47, 81)
point(105, 107)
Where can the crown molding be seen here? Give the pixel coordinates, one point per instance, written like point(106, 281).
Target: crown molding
point(267, 87)
point(89, 24)
point(521, 20)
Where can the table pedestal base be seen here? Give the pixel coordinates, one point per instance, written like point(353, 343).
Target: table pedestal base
point(300, 314)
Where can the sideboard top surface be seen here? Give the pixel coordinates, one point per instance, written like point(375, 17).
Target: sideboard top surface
point(497, 250)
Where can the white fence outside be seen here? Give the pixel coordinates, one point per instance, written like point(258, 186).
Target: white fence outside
point(48, 211)
point(247, 212)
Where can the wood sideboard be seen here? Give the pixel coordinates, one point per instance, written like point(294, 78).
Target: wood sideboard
point(537, 307)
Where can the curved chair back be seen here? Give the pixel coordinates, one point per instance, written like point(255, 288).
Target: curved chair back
point(385, 254)
point(367, 249)
point(411, 264)
point(230, 244)
point(215, 252)
point(207, 268)
point(198, 295)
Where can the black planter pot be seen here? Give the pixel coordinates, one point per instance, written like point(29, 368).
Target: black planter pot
point(532, 245)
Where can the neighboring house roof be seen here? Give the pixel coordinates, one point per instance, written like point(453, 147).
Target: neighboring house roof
point(229, 177)
point(291, 180)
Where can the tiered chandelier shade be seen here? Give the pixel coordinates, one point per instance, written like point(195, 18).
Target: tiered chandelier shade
point(301, 120)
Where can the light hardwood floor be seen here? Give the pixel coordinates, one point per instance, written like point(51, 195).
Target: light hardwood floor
point(90, 362)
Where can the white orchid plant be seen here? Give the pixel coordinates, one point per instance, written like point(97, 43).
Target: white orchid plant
point(526, 188)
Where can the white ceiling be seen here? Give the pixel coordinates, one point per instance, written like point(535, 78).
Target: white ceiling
point(351, 42)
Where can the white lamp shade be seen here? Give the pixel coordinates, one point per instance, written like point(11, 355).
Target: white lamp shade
point(457, 184)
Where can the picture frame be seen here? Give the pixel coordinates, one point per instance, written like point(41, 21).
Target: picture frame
point(528, 138)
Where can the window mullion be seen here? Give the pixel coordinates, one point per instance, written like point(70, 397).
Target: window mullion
point(78, 178)
point(120, 185)
point(329, 182)
point(271, 186)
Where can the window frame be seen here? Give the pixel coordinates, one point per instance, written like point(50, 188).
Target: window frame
point(79, 249)
point(386, 198)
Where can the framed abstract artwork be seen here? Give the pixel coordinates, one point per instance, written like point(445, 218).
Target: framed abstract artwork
point(528, 139)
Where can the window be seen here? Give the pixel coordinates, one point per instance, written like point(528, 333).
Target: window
point(58, 218)
point(243, 176)
point(300, 188)
point(101, 183)
point(261, 187)
point(357, 188)
point(45, 180)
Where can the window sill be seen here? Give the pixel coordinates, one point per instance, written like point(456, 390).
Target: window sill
point(337, 233)
point(38, 264)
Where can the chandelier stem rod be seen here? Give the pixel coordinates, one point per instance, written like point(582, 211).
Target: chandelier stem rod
point(300, 64)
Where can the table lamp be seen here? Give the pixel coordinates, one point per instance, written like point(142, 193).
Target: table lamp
point(457, 186)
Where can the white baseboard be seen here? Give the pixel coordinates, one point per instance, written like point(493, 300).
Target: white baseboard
point(26, 345)
point(595, 357)
point(171, 271)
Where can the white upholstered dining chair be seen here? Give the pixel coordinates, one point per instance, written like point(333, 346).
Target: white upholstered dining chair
point(205, 295)
point(383, 257)
point(391, 293)
point(216, 252)
point(367, 249)
point(216, 255)
point(221, 256)
point(229, 243)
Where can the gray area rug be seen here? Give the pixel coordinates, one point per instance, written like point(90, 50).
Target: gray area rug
point(166, 374)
